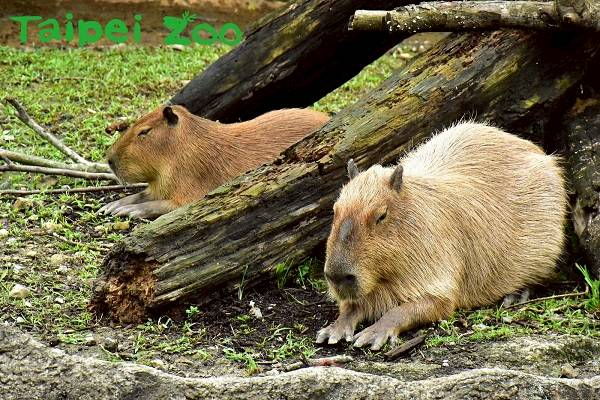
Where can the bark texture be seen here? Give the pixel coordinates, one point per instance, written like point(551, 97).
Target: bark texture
point(291, 59)
point(483, 15)
point(30, 370)
point(583, 144)
point(282, 212)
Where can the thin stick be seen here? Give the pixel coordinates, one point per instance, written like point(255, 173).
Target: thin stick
point(59, 171)
point(556, 296)
point(405, 347)
point(27, 120)
point(75, 243)
point(109, 188)
point(334, 361)
point(44, 162)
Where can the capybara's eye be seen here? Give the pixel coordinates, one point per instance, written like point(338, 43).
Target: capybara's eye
point(381, 217)
point(144, 132)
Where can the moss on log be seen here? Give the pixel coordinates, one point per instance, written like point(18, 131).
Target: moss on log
point(290, 59)
point(282, 211)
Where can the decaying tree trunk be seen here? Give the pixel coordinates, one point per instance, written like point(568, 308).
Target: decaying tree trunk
point(291, 60)
point(582, 132)
point(281, 212)
point(468, 15)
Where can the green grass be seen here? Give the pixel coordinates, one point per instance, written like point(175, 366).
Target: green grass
point(55, 244)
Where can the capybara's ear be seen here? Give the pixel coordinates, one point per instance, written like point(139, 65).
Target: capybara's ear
point(352, 169)
point(170, 116)
point(396, 179)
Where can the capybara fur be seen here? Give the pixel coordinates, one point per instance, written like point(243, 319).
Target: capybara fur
point(182, 156)
point(468, 217)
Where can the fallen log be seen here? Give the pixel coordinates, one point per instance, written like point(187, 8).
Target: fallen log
point(282, 212)
point(294, 58)
point(443, 16)
point(582, 132)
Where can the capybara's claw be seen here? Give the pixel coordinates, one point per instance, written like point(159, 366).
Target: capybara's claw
point(334, 333)
point(374, 335)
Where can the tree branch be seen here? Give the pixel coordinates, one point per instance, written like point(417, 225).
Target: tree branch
point(44, 162)
point(13, 192)
point(56, 142)
point(10, 166)
point(481, 15)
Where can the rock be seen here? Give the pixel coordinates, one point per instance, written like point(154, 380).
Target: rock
point(25, 373)
point(157, 363)
point(62, 269)
point(255, 311)
point(3, 233)
point(120, 225)
point(89, 340)
point(58, 259)
point(59, 300)
point(110, 344)
point(19, 320)
point(22, 203)
point(31, 253)
point(51, 227)
point(19, 291)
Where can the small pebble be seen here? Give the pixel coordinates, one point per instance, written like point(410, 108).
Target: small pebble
point(31, 253)
point(110, 344)
point(121, 225)
point(89, 340)
point(567, 371)
point(58, 259)
point(3, 233)
point(59, 300)
point(445, 363)
point(19, 291)
point(157, 363)
point(62, 269)
point(20, 320)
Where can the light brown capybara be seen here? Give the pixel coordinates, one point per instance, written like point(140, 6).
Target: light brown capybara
point(182, 156)
point(469, 217)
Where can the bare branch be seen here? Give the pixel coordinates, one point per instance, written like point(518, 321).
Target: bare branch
point(14, 192)
point(480, 15)
point(27, 120)
point(44, 162)
point(59, 171)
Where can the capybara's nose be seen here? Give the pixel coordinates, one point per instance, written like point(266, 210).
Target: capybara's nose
point(341, 279)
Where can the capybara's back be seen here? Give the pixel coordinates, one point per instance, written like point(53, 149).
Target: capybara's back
point(498, 210)
point(468, 217)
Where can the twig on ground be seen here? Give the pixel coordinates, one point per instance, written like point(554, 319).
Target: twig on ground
point(58, 171)
point(334, 361)
point(405, 347)
point(75, 243)
point(56, 142)
point(14, 192)
point(556, 296)
point(43, 162)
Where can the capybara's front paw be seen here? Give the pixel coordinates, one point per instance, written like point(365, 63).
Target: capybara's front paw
point(335, 332)
point(110, 207)
point(375, 335)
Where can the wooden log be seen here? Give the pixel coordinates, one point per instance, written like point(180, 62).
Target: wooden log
point(582, 132)
point(281, 212)
point(443, 16)
point(292, 59)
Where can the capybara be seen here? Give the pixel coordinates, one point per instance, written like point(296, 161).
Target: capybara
point(468, 217)
point(182, 156)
